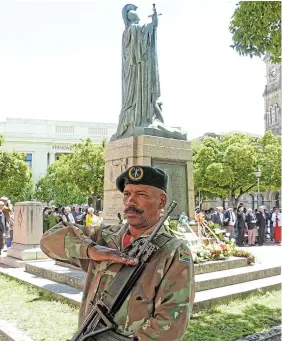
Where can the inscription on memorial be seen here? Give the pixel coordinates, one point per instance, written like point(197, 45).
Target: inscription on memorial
point(117, 167)
point(177, 184)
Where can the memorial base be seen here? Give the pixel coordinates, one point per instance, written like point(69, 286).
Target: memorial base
point(26, 252)
point(171, 155)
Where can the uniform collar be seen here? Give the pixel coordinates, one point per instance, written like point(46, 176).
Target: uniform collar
point(113, 235)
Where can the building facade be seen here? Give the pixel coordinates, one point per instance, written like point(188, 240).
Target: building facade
point(43, 141)
point(272, 97)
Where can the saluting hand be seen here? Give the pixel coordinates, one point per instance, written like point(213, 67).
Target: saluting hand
point(101, 253)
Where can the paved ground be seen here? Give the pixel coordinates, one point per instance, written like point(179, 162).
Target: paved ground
point(268, 253)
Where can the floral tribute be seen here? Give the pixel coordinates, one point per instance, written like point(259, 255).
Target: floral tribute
point(213, 243)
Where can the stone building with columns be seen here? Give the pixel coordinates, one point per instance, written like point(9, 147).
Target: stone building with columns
point(43, 141)
point(252, 200)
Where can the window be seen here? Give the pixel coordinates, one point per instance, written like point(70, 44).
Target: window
point(276, 113)
point(64, 130)
point(97, 131)
point(273, 115)
point(28, 159)
point(269, 120)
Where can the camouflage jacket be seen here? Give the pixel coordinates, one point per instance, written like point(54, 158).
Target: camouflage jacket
point(160, 304)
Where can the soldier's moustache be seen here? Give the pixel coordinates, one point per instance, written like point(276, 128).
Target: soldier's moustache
point(133, 209)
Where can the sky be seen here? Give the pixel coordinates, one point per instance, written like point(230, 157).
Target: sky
point(62, 60)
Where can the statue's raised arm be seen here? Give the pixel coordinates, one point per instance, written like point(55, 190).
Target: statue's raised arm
point(154, 16)
point(141, 112)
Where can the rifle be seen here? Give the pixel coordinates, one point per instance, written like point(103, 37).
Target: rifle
point(99, 325)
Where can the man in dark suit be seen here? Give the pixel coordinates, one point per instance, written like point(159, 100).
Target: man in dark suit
point(217, 218)
point(261, 223)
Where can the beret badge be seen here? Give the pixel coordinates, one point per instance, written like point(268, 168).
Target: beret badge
point(135, 173)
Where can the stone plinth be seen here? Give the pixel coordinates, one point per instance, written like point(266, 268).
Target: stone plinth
point(173, 156)
point(28, 229)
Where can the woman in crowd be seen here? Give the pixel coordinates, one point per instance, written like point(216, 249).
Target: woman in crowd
point(91, 218)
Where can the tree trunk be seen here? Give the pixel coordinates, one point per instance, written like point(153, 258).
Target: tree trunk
point(237, 200)
point(232, 200)
point(94, 201)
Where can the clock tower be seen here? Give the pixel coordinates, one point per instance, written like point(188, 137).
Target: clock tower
point(272, 97)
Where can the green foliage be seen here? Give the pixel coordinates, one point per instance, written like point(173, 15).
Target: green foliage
point(224, 167)
point(271, 148)
point(256, 29)
point(15, 177)
point(74, 177)
point(245, 254)
point(86, 167)
point(49, 190)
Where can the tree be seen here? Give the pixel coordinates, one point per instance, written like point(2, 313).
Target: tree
point(45, 188)
point(271, 148)
point(256, 29)
point(225, 166)
point(49, 189)
point(75, 177)
point(85, 168)
point(15, 177)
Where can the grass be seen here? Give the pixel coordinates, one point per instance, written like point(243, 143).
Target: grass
point(44, 319)
point(239, 318)
point(40, 317)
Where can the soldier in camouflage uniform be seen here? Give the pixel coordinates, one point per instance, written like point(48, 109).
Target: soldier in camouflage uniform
point(160, 304)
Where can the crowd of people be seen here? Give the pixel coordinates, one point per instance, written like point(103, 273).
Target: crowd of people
point(247, 226)
point(86, 216)
point(6, 223)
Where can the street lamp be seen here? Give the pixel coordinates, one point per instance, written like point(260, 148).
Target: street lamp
point(258, 175)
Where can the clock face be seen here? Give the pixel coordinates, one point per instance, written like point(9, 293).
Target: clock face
point(272, 71)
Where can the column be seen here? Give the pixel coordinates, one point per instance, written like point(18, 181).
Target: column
point(51, 158)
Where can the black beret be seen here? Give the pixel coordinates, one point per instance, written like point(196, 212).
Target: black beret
point(143, 175)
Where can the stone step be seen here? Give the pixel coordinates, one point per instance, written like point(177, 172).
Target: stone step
point(208, 298)
point(61, 274)
point(220, 265)
point(203, 300)
point(224, 278)
point(59, 291)
point(229, 263)
point(75, 277)
point(9, 332)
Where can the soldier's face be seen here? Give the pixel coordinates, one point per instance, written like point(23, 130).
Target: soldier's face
point(142, 205)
